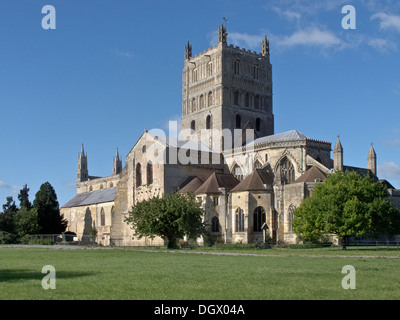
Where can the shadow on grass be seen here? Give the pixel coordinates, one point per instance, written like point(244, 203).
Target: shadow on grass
point(24, 275)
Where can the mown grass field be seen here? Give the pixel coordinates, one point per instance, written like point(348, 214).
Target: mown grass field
point(126, 274)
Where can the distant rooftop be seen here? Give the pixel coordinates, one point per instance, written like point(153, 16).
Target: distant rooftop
point(93, 197)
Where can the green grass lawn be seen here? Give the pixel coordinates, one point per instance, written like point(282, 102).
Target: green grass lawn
point(183, 275)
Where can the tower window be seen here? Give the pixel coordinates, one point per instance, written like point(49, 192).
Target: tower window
point(201, 102)
point(238, 121)
point(194, 75)
point(209, 69)
point(236, 67)
point(247, 100)
point(237, 172)
point(193, 105)
point(208, 122)
point(210, 99)
point(193, 125)
point(258, 124)
point(236, 98)
point(255, 72)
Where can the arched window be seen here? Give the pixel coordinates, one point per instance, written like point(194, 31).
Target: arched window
point(236, 67)
point(209, 69)
point(287, 171)
point(291, 210)
point(266, 157)
point(215, 224)
point(255, 72)
point(257, 164)
point(138, 175)
point(149, 173)
point(194, 75)
point(208, 122)
point(102, 217)
point(193, 105)
point(239, 220)
point(236, 98)
point(258, 219)
point(257, 102)
point(144, 149)
point(193, 125)
point(258, 124)
point(237, 172)
point(210, 99)
point(238, 121)
point(201, 102)
point(247, 100)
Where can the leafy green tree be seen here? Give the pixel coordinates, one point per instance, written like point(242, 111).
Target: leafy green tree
point(50, 220)
point(170, 217)
point(26, 222)
point(347, 205)
point(6, 218)
point(23, 198)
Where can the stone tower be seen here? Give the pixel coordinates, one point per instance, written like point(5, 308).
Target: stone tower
point(227, 87)
point(338, 155)
point(82, 172)
point(372, 160)
point(117, 164)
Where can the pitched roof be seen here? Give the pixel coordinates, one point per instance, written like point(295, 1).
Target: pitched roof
point(216, 181)
point(311, 175)
point(284, 136)
point(257, 180)
point(191, 184)
point(93, 197)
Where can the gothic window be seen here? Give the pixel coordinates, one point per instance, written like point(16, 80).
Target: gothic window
point(255, 72)
point(209, 69)
point(238, 121)
point(149, 173)
point(193, 125)
point(138, 175)
point(236, 98)
point(144, 149)
point(291, 210)
point(257, 164)
point(257, 102)
point(258, 219)
point(201, 102)
point(258, 124)
point(247, 100)
point(102, 217)
point(236, 67)
point(193, 105)
point(215, 224)
point(194, 75)
point(266, 157)
point(239, 219)
point(237, 172)
point(287, 171)
point(208, 122)
point(210, 99)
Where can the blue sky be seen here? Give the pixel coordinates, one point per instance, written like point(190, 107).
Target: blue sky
point(112, 68)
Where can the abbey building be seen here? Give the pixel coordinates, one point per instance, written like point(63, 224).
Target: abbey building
point(227, 153)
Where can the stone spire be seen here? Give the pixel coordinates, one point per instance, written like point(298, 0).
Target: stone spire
point(265, 47)
point(82, 172)
point(188, 51)
point(222, 34)
point(338, 155)
point(117, 164)
point(372, 160)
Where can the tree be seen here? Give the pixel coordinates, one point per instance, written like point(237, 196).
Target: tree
point(6, 218)
point(26, 222)
point(347, 205)
point(23, 198)
point(50, 220)
point(170, 217)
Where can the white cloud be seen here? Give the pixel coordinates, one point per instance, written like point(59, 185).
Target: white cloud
point(387, 21)
point(245, 40)
point(382, 45)
point(124, 54)
point(309, 37)
point(4, 185)
point(389, 171)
